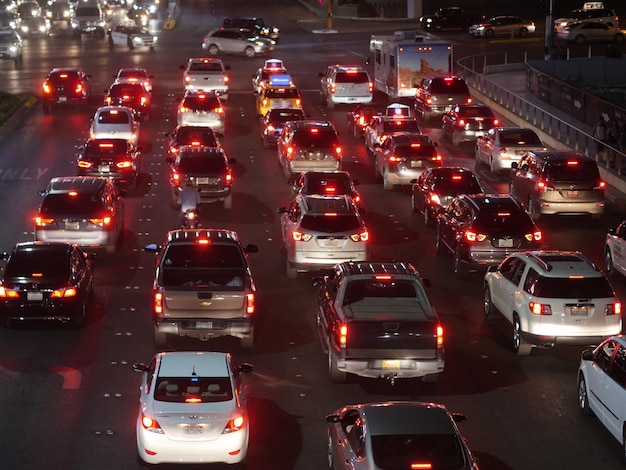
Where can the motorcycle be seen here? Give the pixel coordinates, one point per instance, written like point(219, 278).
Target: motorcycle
point(190, 219)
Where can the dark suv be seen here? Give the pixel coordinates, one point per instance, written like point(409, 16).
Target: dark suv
point(130, 94)
point(117, 159)
point(562, 182)
point(209, 171)
point(256, 25)
point(308, 145)
point(65, 85)
point(435, 96)
point(196, 136)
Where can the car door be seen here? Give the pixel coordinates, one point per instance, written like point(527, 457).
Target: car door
point(346, 440)
point(382, 153)
point(449, 222)
point(485, 146)
point(618, 248)
point(614, 393)
point(421, 190)
point(289, 223)
point(370, 132)
point(598, 378)
point(518, 185)
point(506, 286)
point(328, 315)
point(81, 274)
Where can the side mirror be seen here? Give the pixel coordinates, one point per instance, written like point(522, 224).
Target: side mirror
point(319, 281)
point(368, 61)
point(251, 249)
point(587, 355)
point(514, 165)
point(612, 231)
point(459, 417)
point(152, 247)
point(333, 419)
point(42, 192)
point(281, 210)
point(245, 367)
point(80, 147)
point(140, 367)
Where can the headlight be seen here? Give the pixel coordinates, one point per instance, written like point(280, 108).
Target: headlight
point(13, 49)
point(154, 39)
point(24, 29)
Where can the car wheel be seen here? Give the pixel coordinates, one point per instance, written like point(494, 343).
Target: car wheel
point(608, 263)
point(459, 268)
point(213, 49)
point(520, 346)
point(439, 245)
point(78, 319)
point(228, 202)
point(477, 156)
point(248, 341)
point(335, 375)
point(160, 339)
point(413, 208)
point(489, 310)
point(290, 271)
point(580, 39)
point(456, 139)
point(387, 185)
point(523, 33)
point(249, 52)
point(583, 397)
point(532, 209)
point(129, 43)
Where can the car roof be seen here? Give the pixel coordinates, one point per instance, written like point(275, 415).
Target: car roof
point(321, 204)
point(388, 418)
point(353, 268)
point(555, 263)
point(48, 246)
point(83, 184)
point(480, 201)
point(192, 235)
point(559, 155)
point(188, 363)
point(108, 109)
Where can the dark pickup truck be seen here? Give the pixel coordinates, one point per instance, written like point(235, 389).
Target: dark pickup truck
point(449, 18)
point(375, 320)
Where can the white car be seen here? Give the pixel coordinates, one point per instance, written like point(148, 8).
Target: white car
point(192, 409)
point(115, 122)
point(602, 385)
point(501, 146)
point(397, 435)
point(615, 250)
point(552, 297)
point(203, 109)
point(135, 75)
point(131, 36)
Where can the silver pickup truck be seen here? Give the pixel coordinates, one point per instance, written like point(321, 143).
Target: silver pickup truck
point(206, 74)
point(203, 287)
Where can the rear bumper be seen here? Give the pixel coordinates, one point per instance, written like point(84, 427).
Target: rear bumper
point(206, 328)
point(397, 368)
point(553, 208)
point(550, 341)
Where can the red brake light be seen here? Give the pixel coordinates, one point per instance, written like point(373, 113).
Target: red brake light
point(63, 293)
point(8, 293)
point(250, 304)
point(234, 424)
point(421, 466)
point(439, 336)
point(456, 177)
point(473, 236)
point(84, 164)
point(539, 309)
point(79, 88)
point(343, 335)
point(46, 88)
point(613, 309)
point(158, 302)
point(495, 122)
point(572, 162)
point(124, 164)
point(382, 277)
point(314, 130)
point(203, 241)
point(150, 424)
point(461, 122)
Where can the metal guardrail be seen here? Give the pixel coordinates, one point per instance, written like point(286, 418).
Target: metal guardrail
point(475, 70)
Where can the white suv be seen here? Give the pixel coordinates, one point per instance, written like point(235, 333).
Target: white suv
point(552, 297)
point(342, 84)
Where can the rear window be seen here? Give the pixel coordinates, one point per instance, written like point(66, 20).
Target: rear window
point(352, 77)
point(188, 136)
point(475, 111)
point(457, 184)
point(113, 117)
point(400, 451)
point(321, 138)
point(87, 11)
point(193, 389)
point(202, 164)
point(106, 149)
point(132, 89)
point(417, 150)
point(330, 224)
point(210, 66)
point(201, 103)
point(47, 264)
point(582, 171)
point(567, 288)
point(325, 184)
point(452, 86)
point(81, 205)
point(281, 115)
point(58, 77)
point(282, 93)
point(399, 125)
point(503, 215)
point(521, 137)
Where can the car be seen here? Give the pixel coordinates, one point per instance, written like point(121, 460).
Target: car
point(503, 26)
point(58, 11)
point(206, 74)
point(449, 18)
point(8, 20)
point(85, 210)
point(257, 25)
point(436, 95)
point(271, 67)
point(308, 144)
point(436, 187)
point(599, 15)
point(236, 41)
point(359, 117)
point(381, 126)
point(615, 250)
point(321, 231)
point(203, 287)
point(403, 156)
point(132, 95)
point(345, 84)
point(34, 26)
point(150, 6)
point(115, 122)
point(465, 122)
point(131, 36)
point(192, 409)
point(501, 146)
point(602, 385)
point(274, 121)
point(46, 281)
point(551, 297)
point(138, 15)
point(199, 108)
point(195, 136)
point(11, 47)
point(558, 182)
point(481, 230)
point(397, 435)
point(65, 85)
point(116, 159)
point(135, 74)
point(277, 96)
point(590, 31)
point(28, 9)
point(88, 18)
point(208, 169)
point(326, 183)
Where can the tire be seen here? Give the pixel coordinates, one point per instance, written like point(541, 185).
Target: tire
point(249, 52)
point(248, 342)
point(583, 397)
point(459, 268)
point(580, 39)
point(489, 310)
point(129, 42)
point(413, 208)
point(228, 202)
point(523, 33)
point(334, 374)
point(440, 248)
point(520, 347)
point(161, 339)
point(290, 271)
point(78, 319)
point(387, 185)
point(609, 267)
point(213, 49)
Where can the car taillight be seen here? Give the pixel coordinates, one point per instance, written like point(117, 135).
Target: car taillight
point(394, 159)
point(361, 121)
point(84, 164)
point(298, 103)
point(270, 128)
point(540, 309)
point(429, 101)
point(421, 466)
point(360, 237)
point(343, 335)
point(187, 79)
point(290, 151)
point(150, 424)
point(601, 185)
point(504, 153)
point(264, 102)
point(234, 424)
point(8, 293)
point(333, 88)
point(536, 236)
point(79, 88)
point(356, 198)
point(434, 199)
point(176, 178)
point(495, 123)
point(436, 158)
point(439, 336)
point(338, 151)
point(183, 109)
point(229, 178)
point(63, 293)
point(144, 101)
point(124, 164)
point(613, 309)
point(301, 237)
point(469, 101)
point(371, 87)
point(219, 110)
point(107, 101)
point(103, 221)
point(474, 237)
point(46, 88)
point(461, 123)
point(543, 186)
point(43, 221)
point(158, 303)
point(250, 304)
point(226, 79)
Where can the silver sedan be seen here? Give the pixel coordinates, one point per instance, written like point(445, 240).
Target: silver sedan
point(590, 31)
point(501, 146)
point(503, 26)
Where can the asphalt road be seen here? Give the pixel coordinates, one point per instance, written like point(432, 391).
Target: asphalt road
point(68, 398)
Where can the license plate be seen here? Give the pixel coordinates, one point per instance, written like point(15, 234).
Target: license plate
point(194, 430)
point(62, 98)
point(505, 242)
point(34, 295)
point(416, 163)
point(204, 325)
point(391, 364)
point(579, 311)
point(72, 225)
point(202, 180)
point(572, 194)
point(330, 243)
point(104, 168)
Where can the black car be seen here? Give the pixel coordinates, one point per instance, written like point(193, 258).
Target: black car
point(274, 121)
point(65, 85)
point(46, 281)
point(433, 191)
point(131, 94)
point(194, 136)
point(209, 171)
point(117, 159)
point(483, 229)
point(359, 117)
